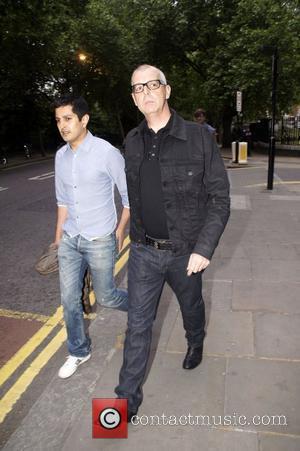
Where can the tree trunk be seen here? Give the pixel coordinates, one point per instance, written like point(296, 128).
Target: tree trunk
point(228, 114)
point(120, 123)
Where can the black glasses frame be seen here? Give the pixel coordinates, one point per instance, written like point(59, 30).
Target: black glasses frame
point(133, 87)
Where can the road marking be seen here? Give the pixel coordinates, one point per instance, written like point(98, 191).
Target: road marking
point(20, 386)
point(2, 188)
point(24, 315)
point(24, 352)
point(23, 382)
point(290, 182)
point(121, 262)
point(45, 176)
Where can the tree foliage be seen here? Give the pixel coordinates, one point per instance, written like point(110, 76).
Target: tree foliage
point(207, 48)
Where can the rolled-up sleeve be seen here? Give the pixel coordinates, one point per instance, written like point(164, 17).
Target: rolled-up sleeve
point(59, 185)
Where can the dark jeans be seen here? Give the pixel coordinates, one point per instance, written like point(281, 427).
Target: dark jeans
point(148, 269)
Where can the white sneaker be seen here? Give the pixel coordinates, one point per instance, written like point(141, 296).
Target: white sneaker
point(71, 365)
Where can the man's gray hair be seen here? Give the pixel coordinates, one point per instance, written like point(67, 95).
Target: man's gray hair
point(162, 76)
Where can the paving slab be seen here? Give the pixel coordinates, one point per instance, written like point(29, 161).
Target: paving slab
point(240, 202)
point(217, 295)
point(276, 442)
point(275, 271)
point(264, 387)
point(225, 250)
point(266, 295)
point(228, 269)
point(263, 235)
point(228, 334)
point(277, 335)
point(275, 251)
point(175, 391)
point(265, 219)
point(164, 438)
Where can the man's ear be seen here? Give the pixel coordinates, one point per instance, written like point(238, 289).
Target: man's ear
point(168, 91)
point(132, 95)
point(85, 119)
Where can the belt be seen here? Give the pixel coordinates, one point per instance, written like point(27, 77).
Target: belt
point(163, 245)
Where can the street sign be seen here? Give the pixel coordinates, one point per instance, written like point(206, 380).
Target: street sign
point(239, 101)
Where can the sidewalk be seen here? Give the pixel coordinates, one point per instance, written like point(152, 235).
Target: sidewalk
point(251, 366)
point(20, 160)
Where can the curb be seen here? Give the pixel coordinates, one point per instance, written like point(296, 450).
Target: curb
point(25, 162)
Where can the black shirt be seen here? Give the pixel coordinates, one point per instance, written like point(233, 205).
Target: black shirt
point(152, 201)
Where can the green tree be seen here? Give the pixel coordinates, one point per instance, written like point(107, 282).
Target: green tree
point(34, 48)
point(211, 48)
point(207, 48)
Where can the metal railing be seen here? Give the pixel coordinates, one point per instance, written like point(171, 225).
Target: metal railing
point(288, 130)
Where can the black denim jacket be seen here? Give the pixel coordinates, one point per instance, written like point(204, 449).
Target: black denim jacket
point(194, 183)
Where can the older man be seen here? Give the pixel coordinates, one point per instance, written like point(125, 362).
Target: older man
point(179, 201)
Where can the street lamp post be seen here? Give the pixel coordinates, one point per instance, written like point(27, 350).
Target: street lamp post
point(272, 131)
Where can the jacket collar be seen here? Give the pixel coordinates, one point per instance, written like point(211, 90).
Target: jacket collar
point(178, 127)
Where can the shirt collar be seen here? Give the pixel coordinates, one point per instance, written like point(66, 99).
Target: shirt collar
point(85, 145)
point(165, 129)
point(176, 126)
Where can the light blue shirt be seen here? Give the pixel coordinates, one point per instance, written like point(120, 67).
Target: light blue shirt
point(210, 128)
point(84, 183)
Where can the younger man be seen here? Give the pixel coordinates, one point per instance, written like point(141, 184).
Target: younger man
point(86, 170)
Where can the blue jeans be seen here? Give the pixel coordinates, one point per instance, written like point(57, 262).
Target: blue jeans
point(75, 255)
point(148, 270)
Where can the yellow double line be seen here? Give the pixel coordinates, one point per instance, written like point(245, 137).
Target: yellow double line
point(23, 382)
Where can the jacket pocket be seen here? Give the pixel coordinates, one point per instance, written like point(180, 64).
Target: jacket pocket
point(188, 178)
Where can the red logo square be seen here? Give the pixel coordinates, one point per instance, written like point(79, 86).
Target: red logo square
point(109, 418)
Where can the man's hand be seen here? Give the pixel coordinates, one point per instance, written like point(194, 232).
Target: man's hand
point(120, 235)
point(120, 232)
point(62, 214)
point(196, 264)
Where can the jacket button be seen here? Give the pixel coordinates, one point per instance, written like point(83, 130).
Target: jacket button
point(165, 183)
point(171, 227)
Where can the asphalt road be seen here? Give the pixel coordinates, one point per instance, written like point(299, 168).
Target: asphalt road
point(28, 215)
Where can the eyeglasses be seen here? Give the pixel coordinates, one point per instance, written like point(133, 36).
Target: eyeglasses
point(151, 84)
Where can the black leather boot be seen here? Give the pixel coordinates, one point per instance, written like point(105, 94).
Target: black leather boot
point(193, 357)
